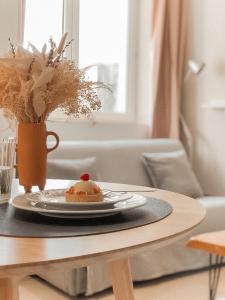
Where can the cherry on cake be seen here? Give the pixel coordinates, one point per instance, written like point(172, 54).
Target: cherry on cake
point(84, 190)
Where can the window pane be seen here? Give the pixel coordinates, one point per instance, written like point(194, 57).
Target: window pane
point(43, 18)
point(103, 42)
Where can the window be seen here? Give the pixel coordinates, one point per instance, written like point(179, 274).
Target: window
point(102, 38)
point(103, 42)
point(42, 21)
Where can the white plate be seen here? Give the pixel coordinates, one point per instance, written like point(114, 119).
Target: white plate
point(21, 202)
point(71, 216)
point(55, 199)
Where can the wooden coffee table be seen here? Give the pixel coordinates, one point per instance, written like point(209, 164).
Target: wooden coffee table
point(20, 257)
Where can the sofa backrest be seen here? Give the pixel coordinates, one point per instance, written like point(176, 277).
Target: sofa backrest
point(117, 160)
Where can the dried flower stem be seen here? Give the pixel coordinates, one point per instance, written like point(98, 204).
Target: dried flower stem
point(51, 52)
point(60, 55)
point(30, 69)
point(13, 50)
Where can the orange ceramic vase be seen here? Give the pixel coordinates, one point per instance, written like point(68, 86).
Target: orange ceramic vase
point(32, 154)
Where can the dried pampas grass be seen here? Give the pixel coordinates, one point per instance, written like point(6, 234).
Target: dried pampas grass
point(33, 84)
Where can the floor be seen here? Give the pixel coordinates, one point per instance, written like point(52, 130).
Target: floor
point(186, 287)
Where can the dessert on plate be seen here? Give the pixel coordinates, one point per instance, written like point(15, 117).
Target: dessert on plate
point(84, 190)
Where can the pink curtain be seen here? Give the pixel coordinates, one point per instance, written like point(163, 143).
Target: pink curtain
point(168, 40)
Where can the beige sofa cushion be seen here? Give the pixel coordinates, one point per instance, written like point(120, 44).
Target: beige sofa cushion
point(171, 171)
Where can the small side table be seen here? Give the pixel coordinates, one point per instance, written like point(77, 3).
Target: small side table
point(214, 243)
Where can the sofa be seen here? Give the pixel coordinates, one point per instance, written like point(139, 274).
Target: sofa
point(121, 161)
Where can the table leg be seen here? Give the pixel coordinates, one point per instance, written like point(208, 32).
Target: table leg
point(9, 289)
point(121, 279)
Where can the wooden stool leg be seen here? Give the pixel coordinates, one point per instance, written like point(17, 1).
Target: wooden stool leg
point(9, 289)
point(121, 279)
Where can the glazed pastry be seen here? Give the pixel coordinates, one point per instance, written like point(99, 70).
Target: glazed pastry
point(84, 190)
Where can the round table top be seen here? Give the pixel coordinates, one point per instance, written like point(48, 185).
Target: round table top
point(22, 252)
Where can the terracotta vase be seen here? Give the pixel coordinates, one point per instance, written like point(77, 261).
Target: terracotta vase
point(32, 154)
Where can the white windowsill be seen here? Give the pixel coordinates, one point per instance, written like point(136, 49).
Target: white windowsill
point(95, 118)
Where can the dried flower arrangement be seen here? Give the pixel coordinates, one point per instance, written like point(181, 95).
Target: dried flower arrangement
point(34, 83)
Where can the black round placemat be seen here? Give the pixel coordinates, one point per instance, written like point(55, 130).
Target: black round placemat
point(18, 223)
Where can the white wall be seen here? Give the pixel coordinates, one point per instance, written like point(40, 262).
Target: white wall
point(206, 41)
point(8, 23)
point(8, 28)
point(137, 128)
